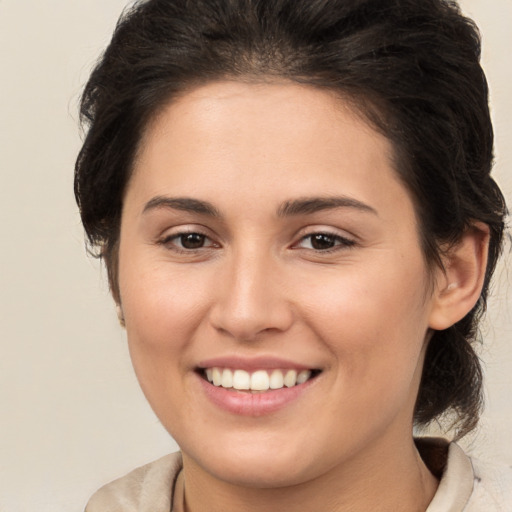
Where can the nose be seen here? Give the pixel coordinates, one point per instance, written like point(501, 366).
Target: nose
point(251, 298)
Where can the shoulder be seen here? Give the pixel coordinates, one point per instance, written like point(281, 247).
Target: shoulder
point(145, 489)
point(465, 483)
point(492, 489)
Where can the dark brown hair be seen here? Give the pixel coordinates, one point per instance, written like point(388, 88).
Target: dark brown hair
point(411, 67)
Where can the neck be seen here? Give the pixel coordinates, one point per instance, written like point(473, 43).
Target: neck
point(394, 479)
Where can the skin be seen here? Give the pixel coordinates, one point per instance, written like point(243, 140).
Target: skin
point(360, 312)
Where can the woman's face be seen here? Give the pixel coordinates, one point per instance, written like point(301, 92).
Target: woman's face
point(265, 232)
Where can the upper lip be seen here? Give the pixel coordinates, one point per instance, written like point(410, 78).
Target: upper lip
point(253, 363)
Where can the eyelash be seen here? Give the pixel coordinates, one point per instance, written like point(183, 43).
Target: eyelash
point(169, 240)
point(340, 242)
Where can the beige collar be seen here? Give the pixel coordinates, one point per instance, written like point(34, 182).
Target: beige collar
point(456, 484)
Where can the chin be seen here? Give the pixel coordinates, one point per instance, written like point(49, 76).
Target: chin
point(259, 472)
point(255, 464)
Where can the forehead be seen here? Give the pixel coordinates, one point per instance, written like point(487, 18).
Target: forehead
point(260, 107)
point(261, 130)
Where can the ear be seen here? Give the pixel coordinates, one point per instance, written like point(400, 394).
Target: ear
point(459, 285)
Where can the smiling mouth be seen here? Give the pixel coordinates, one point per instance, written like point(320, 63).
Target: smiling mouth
point(259, 381)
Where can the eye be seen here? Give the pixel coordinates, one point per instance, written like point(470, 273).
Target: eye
point(189, 241)
point(324, 242)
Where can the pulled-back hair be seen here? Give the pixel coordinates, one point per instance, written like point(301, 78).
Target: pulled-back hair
point(411, 67)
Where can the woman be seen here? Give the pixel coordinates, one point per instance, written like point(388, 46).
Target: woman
point(293, 202)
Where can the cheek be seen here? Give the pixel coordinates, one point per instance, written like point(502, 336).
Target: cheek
point(374, 323)
point(163, 311)
point(367, 301)
point(162, 316)
point(161, 306)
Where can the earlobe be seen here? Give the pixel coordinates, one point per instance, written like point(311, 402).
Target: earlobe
point(459, 285)
point(120, 314)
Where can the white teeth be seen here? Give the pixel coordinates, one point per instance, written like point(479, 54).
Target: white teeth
point(303, 376)
point(290, 379)
point(259, 380)
point(241, 380)
point(227, 379)
point(216, 377)
point(276, 379)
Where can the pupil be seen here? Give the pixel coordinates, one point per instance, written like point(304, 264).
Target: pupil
point(321, 241)
point(192, 241)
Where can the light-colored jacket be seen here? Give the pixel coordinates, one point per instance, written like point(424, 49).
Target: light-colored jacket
point(465, 486)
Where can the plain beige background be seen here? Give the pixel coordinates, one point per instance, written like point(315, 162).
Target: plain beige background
point(72, 415)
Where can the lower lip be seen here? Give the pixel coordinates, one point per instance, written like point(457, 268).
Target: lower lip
point(253, 404)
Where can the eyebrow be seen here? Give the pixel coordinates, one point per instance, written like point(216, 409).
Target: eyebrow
point(186, 204)
point(301, 206)
point(309, 205)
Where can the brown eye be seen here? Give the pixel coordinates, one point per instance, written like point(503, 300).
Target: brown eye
point(322, 241)
point(188, 242)
point(192, 240)
point(325, 242)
